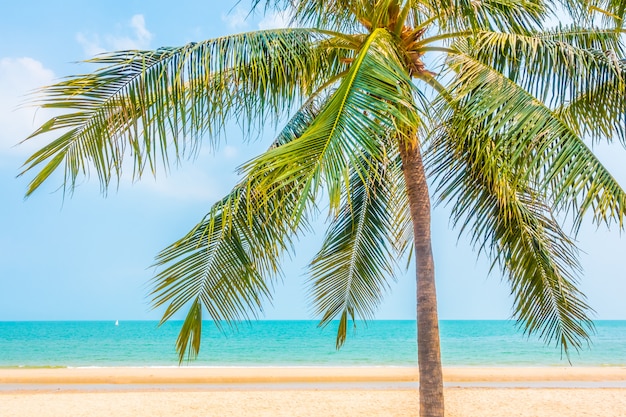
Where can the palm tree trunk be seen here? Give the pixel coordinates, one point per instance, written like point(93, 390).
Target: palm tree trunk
point(428, 347)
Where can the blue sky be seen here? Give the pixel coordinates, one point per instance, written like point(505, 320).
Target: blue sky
point(88, 257)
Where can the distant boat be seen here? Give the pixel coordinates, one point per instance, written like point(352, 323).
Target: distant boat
point(117, 322)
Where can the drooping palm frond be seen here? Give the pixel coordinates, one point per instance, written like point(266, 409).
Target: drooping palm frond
point(509, 220)
point(554, 158)
point(506, 161)
point(555, 66)
point(226, 264)
point(349, 275)
point(222, 266)
point(599, 113)
point(157, 103)
point(373, 99)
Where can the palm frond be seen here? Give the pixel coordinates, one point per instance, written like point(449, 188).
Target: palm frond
point(509, 220)
point(498, 15)
point(161, 103)
point(599, 113)
point(373, 99)
point(555, 66)
point(349, 275)
point(225, 265)
point(611, 12)
point(551, 153)
point(222, 265)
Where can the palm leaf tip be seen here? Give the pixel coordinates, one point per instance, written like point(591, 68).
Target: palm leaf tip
point(188, 341)
point(350, 274)
point(342, 330)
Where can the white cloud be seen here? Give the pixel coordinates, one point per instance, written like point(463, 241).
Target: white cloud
point(91, 46)
point(18, 77)
point(141, 37)
point(236, 18)
point(138, 22)
point(276, 20)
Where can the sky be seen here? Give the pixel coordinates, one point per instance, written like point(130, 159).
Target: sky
point(88, 256)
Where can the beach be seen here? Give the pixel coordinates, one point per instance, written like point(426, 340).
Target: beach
point(307, 391)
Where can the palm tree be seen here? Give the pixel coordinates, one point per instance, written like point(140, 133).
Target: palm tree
point(382, 99)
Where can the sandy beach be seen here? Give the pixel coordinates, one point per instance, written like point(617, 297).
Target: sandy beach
point(190, 392)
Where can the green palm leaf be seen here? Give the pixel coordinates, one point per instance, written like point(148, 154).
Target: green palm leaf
point(553, 156)
point(510, 221)
point(506, 167)
point(369, 103)
point(153, 103)
point(499, 15)
point(554, 66)
point(599, 113)
point(226, 263)
point(349, 274)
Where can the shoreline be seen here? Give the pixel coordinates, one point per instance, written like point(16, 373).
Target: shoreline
point(308, 392)
point(285, 375)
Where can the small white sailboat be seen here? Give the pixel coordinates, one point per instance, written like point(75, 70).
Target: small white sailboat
point(117, 322)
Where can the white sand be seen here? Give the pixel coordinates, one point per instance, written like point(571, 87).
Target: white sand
point(225, 375)
point(263, 398)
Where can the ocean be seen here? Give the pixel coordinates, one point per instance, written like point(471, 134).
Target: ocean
point(292, 343)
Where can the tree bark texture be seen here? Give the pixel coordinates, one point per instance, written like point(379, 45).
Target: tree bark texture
point(428, 346)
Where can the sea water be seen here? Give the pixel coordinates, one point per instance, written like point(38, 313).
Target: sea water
point(293, 343)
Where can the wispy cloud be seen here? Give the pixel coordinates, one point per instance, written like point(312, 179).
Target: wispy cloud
point(276, 20)
point(140, 38)
point(18, 77)
point(239, 19)
point(236, 19)
point(91, 44)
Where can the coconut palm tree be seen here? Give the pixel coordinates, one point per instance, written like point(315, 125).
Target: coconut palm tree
point(379, 100)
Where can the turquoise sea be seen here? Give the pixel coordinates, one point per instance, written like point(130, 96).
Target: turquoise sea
point(292, 343)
